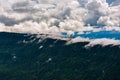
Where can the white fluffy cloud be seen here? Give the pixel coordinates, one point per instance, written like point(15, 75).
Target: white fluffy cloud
point(93, 42)
point(58, 15)
point(112, 19)
point(103, 42)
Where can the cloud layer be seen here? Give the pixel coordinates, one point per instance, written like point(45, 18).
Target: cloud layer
point(35, 16)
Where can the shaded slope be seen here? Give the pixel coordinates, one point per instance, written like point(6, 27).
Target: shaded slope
point(56, 61)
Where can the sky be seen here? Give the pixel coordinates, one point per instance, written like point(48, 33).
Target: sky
point(109, 1)
point(36, 16)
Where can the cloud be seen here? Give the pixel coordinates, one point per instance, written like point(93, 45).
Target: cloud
point(11, 22)
point(103, 42)
point(93, 42)
point(115, 2)
point(112, 19)
point(57, 15)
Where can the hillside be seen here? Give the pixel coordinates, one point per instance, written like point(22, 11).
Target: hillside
point(53, 60)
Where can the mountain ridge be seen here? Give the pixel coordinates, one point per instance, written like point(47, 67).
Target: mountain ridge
point(53, 60)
